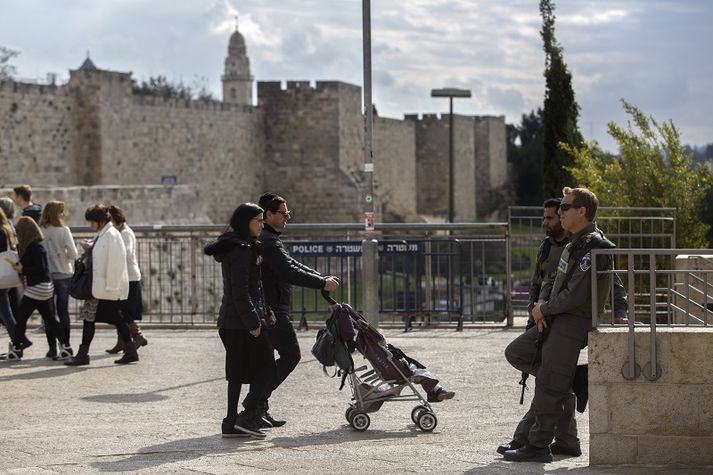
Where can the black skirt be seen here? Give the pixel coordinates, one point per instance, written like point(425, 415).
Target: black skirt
point(248, 359)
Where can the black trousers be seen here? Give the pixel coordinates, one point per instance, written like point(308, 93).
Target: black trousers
point(284, 340)
point(46, 309)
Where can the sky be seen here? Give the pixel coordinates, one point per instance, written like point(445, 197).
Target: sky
point(652, 53)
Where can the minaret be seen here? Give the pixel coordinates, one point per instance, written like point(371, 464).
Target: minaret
point(237, 81)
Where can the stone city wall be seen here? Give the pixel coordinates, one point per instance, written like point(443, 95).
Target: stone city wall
point(147, 204)
point(38, 136)
point(661, 422)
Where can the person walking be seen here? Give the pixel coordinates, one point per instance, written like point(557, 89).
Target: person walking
point(280, 272)
point(39, 290)
point(110, 285)
point(22, 196)
point(243, 320)
point(564, 308)
point(7, 243)
point(61, 253)
point(131, 308)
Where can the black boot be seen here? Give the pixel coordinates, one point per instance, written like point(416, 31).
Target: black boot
point(580, 386)
point(247, 421)
point(118, 347)
point(130, 354)
point(512, 445)
point(268, 420)
point(81, 358)
point(529, 453)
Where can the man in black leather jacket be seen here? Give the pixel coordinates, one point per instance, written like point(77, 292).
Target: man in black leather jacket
point(279, 273)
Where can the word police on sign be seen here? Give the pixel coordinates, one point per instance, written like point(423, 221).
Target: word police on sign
point(348, 248)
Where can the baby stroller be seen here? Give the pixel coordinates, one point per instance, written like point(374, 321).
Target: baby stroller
point(388, 377)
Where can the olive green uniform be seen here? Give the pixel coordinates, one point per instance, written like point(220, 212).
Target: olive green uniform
point(568, 313)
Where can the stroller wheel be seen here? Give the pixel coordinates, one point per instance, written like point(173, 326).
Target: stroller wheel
point(348, 414)
point(427, 421)
point(360, 421)
point(416, 411)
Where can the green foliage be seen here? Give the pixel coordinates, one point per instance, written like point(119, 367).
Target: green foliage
point(161, 87)
point(7, 71)
point(560, 110)
point(652, 170)
point(524, 144)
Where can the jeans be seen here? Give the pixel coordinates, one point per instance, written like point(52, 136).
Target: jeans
point(61, 291)
point(6, 312)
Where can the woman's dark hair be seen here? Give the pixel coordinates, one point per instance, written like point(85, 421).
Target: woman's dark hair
point(117, 215)
point(97, 213)
point(240, 221)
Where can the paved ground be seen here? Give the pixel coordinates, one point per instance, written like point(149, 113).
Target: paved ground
point(163, 414)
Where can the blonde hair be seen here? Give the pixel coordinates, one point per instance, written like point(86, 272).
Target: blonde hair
point(52, 214)
point(583, 198)
point(5, 226)
point(27, 232)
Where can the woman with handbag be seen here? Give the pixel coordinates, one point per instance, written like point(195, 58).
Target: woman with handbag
point(110, 285)
point(131, 308)
point(7, 243)
point(62, 253)
point(242, 318)
point(39, 290)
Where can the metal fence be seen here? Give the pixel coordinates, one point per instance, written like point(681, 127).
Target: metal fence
point(665, 287)
point(428, 274)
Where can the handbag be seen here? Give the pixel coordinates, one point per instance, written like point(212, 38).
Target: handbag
point(80, 287)
point(9, 277)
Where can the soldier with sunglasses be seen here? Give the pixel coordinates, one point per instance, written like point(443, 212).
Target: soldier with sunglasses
point(279, 273)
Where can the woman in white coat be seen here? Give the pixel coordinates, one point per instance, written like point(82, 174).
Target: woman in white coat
point(110, 285)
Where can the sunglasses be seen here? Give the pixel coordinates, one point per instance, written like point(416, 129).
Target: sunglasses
point(566, 206)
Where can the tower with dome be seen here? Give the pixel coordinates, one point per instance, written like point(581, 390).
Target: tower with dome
point(237, 80)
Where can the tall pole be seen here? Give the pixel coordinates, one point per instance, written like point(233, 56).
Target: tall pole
point(451, 165)
point(368, 110)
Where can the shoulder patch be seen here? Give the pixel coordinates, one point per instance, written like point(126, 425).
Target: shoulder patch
point(586, 262)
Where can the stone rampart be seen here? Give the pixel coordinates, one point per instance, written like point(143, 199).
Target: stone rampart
point(148, 204)
point(661, 422)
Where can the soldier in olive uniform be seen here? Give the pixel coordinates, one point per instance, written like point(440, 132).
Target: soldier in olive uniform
point(564, 308)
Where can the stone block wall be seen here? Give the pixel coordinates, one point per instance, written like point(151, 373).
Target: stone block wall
point(306, 131)
point(394, 167)
point(38, 136)
point(432, 166)
point(662, 422)
point(147, 204)
point(491, 161)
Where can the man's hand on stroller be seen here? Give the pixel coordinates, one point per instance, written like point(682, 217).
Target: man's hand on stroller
point(331, 283)
point(272, 319)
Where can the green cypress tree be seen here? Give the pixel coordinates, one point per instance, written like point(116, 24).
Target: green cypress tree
point(560, 110)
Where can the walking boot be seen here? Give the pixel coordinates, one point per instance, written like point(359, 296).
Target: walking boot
point(81, 358)
point(130, 354)
point(136, 335)
point(119, 347)
point(529, 453)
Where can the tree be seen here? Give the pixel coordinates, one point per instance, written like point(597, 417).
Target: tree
point(7, 71)
point(161, 87)
point(560, 110)
point(652, 169)
point(524, 144)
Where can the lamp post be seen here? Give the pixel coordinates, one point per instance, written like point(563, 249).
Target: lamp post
point(450, 93)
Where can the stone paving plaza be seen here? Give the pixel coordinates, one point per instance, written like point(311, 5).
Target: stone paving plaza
point(163, 414)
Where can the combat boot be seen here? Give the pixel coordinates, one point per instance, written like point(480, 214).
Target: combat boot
point(136, 335)
point(130, 354)
point(81, 358)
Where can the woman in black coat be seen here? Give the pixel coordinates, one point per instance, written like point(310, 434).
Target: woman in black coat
point(243, 319)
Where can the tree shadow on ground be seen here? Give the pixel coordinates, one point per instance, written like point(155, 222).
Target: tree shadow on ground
point(193, 448)
point(148, 396)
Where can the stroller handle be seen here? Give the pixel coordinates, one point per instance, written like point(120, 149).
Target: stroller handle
point(328, 297)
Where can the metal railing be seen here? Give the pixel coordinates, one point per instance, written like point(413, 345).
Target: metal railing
point(436, 273)
point(666, 287)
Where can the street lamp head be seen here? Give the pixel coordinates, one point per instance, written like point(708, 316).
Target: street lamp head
point(450, 92)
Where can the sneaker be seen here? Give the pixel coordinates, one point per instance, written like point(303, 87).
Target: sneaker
point(440, 395)
point(272, 421)
point(248, 424)
point(512, 445)
point(558, 448)
point(65, 353)
point(529, 453)
point(13, 353)
point(229, 430)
